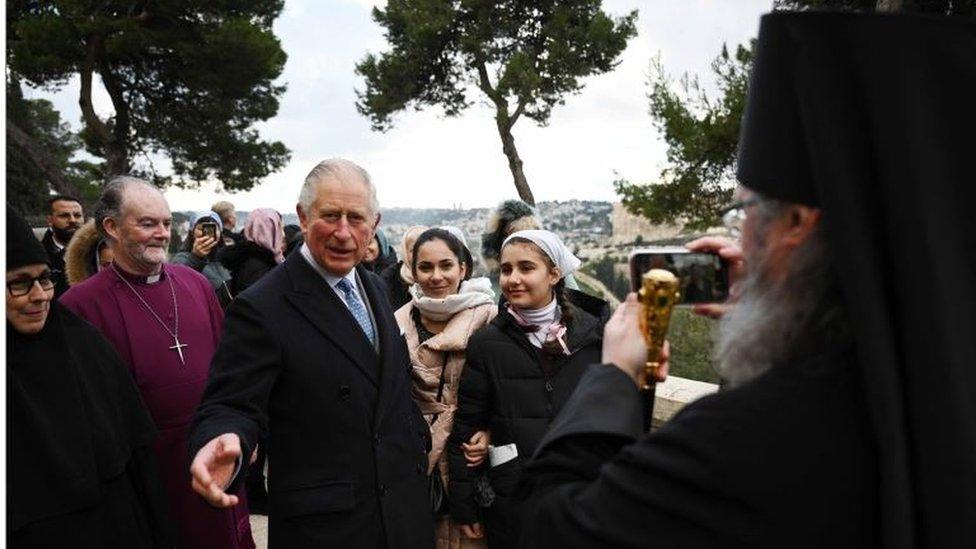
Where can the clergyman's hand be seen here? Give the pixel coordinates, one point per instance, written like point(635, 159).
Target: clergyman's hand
point(729, 250)
point(476, 448)
point(213, 467)
point(623, 342)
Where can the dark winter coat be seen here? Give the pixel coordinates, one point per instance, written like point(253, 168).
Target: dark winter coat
point(513, 390)
point(217, 274)
point(81, 470)
point(399, 290)
point(56, 257)
point(786, 460)
point(348, 458)
point(247, 262)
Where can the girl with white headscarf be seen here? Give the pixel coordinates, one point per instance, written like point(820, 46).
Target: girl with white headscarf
point(521, 369)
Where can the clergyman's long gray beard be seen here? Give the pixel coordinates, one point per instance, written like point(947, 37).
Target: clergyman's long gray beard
point(773, 323)
point(750, 339)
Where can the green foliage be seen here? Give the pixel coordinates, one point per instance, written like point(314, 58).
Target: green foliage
point(604, 270)
point(690, 335)
point(691, 338)
point(702, 136)
point(27, 187)
point(527, 53)
point(187, 79)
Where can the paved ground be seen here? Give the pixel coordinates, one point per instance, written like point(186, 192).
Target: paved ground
point(259, 527)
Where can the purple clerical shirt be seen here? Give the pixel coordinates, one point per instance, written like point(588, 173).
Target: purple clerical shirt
point(170, 388)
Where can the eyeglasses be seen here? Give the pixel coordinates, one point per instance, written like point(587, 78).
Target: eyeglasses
point(734, 215)
point(23, 286)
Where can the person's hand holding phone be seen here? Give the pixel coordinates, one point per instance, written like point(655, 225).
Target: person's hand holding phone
point(731, 252)
point(202, 245)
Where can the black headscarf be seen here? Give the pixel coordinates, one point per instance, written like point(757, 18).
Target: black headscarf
point(73, 413)
point(23, 248)
point(872, 119)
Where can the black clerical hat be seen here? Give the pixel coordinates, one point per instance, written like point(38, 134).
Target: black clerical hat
point(23, 248)
point(872, 118)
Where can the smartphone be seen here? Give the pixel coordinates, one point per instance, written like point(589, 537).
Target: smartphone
point(704, 276)
point(209, 229)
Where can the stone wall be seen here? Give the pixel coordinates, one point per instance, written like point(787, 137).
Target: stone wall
point(627, 227)
point(674, 394)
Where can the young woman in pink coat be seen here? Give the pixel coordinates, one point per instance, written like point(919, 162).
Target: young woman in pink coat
point(446, 307)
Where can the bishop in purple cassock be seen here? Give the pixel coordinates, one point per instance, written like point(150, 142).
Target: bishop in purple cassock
point(165, 327)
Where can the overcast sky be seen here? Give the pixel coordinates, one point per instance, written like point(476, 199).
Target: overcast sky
point(428, 160)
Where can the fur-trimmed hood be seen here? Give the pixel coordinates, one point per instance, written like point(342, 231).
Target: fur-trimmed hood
point(80, 258)
point(508, 217)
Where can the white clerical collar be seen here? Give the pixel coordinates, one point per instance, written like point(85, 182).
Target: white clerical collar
point(329, 277)
point(138, 279)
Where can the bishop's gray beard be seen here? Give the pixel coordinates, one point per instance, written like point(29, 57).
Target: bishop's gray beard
point(773, 323)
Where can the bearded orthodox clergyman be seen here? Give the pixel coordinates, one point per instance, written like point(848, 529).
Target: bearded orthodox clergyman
point(850, 420)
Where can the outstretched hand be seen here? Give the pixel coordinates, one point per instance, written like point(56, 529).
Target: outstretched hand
point(213, 468)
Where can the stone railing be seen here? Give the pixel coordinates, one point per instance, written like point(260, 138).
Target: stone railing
point(674, 394)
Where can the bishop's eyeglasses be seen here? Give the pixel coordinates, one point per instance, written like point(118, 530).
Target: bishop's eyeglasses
point(23, 286)
point(734, 215)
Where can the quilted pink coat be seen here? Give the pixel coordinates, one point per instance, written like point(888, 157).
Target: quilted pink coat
point(427, 361)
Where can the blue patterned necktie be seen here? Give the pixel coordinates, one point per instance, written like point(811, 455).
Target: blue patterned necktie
point(357, 309)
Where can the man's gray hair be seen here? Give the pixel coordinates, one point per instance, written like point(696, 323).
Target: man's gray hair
point(110, 203)
point(342, 170)
point(775, 323)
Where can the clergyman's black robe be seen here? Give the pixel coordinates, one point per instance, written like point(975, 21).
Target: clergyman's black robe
point(80, 472)
point(782, 461)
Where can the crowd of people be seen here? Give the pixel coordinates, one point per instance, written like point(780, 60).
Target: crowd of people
point(364, 396)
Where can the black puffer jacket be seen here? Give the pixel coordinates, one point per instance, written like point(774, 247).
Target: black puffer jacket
point(247, 262)
point(511, 389)
point(399, 291)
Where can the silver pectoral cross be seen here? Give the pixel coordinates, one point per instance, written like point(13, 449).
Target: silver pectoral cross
point(178, 347)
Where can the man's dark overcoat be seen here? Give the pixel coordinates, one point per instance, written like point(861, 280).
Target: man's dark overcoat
point(347, 455)
point(56, 256)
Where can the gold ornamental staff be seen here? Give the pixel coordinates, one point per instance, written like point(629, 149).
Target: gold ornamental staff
point(658, 295)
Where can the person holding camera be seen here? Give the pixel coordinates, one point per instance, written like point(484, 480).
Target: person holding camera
point(848, 419)
point(521, 369)
point(200, 250)
point(447, 307)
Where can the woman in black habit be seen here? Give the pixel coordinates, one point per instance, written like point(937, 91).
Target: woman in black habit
point(80, 472)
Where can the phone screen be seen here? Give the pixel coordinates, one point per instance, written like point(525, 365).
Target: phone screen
point(704, 277)
point(209, 229)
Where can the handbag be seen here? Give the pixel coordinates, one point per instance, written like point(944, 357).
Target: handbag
point(438, 492)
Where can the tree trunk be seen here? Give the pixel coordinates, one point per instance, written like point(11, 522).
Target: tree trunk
point(113, 148)
point(42, 160)
point(505, 121)
point(514, 162)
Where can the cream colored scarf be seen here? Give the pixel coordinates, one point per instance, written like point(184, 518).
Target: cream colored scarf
point(472, 293)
